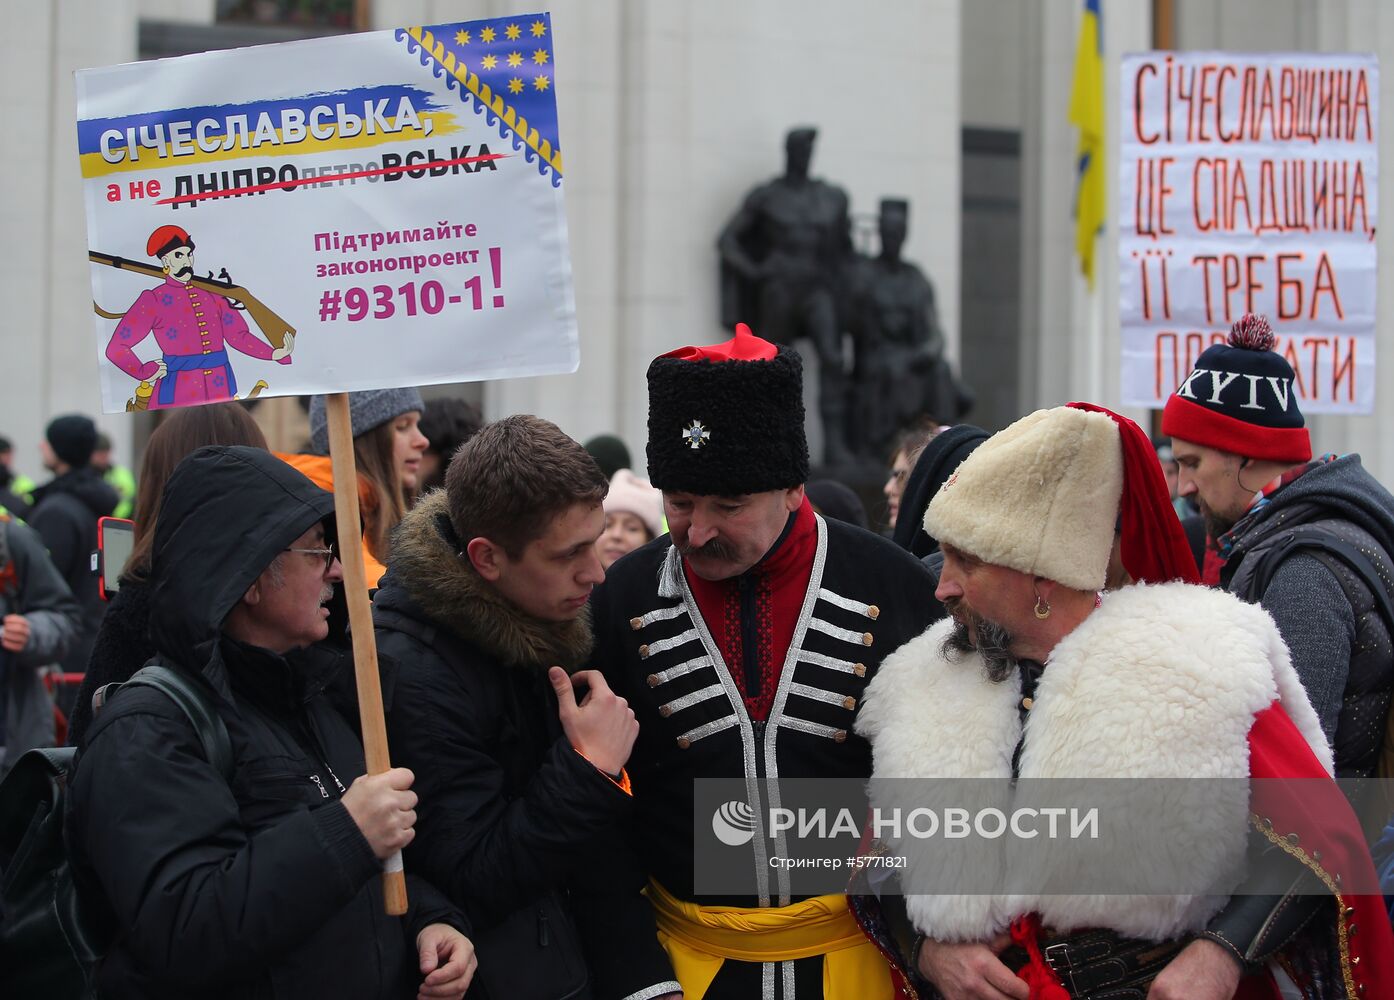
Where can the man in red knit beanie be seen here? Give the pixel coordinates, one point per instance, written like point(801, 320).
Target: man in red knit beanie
point(1310, 540)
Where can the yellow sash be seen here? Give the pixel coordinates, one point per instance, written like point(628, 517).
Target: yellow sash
point(699, 939)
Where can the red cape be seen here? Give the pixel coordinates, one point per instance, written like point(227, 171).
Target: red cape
point(1328, 841)
point(1316, 825)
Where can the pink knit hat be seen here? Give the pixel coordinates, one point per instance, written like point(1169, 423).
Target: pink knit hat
point(631, 495)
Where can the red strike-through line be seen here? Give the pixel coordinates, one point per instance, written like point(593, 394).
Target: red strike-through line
point(327, 178)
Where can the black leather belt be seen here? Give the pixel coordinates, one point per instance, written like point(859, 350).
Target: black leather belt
point(1102, 965)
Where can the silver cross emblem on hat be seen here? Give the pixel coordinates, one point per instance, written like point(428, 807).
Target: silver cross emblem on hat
point(695, 434)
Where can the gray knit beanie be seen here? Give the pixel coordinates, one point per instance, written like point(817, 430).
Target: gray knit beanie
point(368, 409)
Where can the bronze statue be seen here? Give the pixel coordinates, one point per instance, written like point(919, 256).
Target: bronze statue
point(901, 373)
point(785, 257)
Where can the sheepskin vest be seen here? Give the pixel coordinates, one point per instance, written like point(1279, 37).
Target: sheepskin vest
point(1159, 682)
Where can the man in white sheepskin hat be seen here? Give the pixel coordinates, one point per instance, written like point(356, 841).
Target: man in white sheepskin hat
point(1037, 674)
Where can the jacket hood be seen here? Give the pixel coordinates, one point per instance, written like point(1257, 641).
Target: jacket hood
point(938, 460)
point(227, 512)
point(87, 485)
point(426, 577)
point(1339, 488)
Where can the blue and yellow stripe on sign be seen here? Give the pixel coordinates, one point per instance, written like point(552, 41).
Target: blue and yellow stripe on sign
point(219, 120)
point(1087, 114)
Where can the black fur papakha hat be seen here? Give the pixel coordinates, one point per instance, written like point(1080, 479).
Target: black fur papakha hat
point(727, 419)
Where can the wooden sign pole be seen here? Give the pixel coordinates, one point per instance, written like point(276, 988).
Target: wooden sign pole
point(365, 647)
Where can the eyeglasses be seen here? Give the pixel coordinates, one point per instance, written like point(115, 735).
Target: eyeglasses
point(329, 554)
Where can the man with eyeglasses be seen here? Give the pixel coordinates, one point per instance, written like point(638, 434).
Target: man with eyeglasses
point(265, 881)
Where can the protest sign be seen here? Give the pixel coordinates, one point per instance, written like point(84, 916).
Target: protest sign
point(392, 205)
point(1248, 183)
point(364, 211)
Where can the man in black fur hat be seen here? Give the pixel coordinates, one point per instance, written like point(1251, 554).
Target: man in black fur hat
point(743, 641)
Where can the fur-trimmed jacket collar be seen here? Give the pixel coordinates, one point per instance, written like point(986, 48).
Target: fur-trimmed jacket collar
point(442, 586)
point(1160, 682)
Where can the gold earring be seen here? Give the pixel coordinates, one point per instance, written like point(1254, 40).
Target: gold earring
point(1042, 608)
point(166, 269)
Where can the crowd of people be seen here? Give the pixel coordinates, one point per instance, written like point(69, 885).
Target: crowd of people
point(568, 644)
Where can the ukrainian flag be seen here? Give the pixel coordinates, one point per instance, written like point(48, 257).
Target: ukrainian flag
point(1087, 113)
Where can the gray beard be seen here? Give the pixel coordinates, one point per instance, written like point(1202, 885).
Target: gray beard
point(993, 643)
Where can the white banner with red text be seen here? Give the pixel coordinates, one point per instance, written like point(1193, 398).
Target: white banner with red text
point(1249, 183)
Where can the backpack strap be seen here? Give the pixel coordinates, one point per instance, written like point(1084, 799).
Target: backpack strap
point(189, 695)
point(1314, 538)
point(56, 760)
point(39, 772)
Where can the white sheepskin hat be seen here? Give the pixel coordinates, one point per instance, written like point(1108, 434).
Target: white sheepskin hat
point(1040, 497)
point(633, 495)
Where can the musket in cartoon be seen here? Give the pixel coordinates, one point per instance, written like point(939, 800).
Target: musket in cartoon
point(195, 321)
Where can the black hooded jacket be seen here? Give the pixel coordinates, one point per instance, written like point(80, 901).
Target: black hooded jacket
point(936, 463)
point(65, 515)
point(263, 886)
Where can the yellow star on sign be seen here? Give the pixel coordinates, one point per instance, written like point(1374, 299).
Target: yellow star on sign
point(515, 59)
point(540, 57)
point(489, 62)
point(540, 82)
point(515, 85)
point(462, 37)
point(538, 29)
point(486, 34)
point(512, 31)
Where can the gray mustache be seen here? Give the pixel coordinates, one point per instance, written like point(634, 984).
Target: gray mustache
point(715, 549)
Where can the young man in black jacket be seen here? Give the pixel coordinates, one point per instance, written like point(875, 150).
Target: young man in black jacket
point(267, 884)
point(524, 797)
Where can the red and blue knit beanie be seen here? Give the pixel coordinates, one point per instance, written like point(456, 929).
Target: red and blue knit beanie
point(1240, 398)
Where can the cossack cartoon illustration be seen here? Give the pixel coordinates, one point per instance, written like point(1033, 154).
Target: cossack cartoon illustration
point(195, 322)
